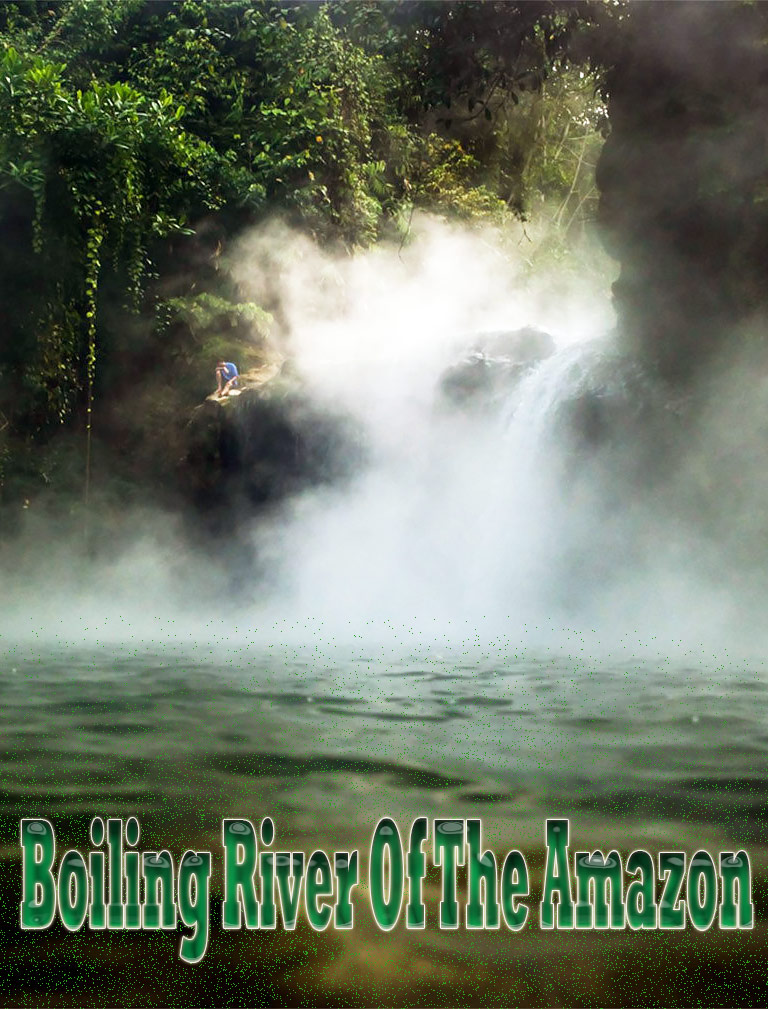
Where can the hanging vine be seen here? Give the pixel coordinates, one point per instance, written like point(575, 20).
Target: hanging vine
point(93, 268)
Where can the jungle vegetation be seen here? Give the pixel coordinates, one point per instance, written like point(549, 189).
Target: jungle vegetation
point(138, 139)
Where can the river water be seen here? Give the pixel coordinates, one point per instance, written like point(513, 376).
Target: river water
point(638, 752)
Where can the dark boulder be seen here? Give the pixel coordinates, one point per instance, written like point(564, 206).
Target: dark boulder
point(248, 452)
point(494, 364)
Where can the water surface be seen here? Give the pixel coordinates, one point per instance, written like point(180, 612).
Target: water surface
point(650, 753)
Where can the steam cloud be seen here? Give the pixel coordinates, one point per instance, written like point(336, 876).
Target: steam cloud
point(466, 525)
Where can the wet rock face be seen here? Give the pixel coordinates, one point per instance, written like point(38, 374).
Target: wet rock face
point(683, 178)
point(601, 419)
point(605, 398)
point(262, 447)
point(626, 425)
point(493, 365)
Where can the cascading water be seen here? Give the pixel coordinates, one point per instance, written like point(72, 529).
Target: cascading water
point(455, 513)
point(463, 512)
point(495, 494)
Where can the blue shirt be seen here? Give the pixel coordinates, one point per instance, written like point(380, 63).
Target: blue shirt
point(229, 371)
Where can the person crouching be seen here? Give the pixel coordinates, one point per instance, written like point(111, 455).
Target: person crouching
point(226, 377)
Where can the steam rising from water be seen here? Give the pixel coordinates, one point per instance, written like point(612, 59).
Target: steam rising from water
point(455, 516)
point(498, 523)
point(500, 520)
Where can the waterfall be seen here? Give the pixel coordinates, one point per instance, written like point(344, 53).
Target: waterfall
point(458, 511)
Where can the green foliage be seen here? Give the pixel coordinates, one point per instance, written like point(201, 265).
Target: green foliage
point(445, 181)
point(561, 164)
point(109, 171)
point(202, 311)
